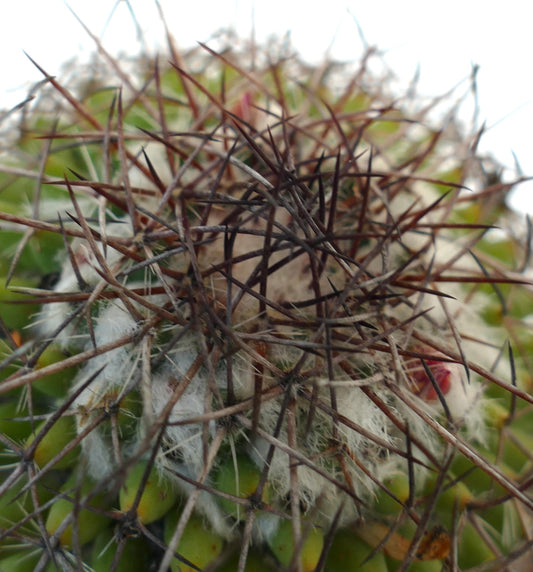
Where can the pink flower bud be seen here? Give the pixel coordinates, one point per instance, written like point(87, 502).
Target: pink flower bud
point(441, 371)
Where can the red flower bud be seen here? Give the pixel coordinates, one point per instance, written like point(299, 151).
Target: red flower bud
point(424, 378)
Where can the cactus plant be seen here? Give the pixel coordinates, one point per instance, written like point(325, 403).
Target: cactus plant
point(275, 292)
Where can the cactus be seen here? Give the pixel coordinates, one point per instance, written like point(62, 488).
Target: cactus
point(305, 554)
point(156, 494)
point(240, 479)
point(273, 295)
point(70, 523)
point(198, 547)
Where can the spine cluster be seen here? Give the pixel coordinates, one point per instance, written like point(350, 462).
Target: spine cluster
point(275, 326)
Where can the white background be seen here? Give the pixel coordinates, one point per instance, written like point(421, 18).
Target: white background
point(443, 39)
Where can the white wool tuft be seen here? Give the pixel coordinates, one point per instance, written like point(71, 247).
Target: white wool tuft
point(184, 440)
point(119, 371)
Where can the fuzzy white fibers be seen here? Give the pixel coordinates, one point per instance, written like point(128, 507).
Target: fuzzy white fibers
point(53, 316)
point(314, 488)
point(369, 437)
point(113, 322)
point(190, 395)
point(119, 372)
point(184, 452)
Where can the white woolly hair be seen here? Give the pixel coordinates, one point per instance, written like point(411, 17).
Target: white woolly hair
point(117, 372)
point(184, 440)
point(192, 397)
point(54, 315)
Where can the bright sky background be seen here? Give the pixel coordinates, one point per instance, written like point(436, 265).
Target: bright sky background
point(443, 38)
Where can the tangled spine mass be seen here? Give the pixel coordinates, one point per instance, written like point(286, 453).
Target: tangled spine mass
point(264, 279)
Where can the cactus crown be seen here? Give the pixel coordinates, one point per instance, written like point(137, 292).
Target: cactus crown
point(280, 296)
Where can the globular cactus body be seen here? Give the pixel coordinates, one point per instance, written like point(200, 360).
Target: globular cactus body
point(274, 287)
